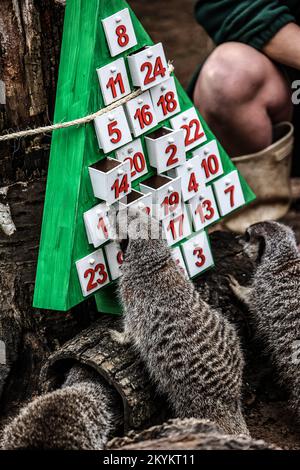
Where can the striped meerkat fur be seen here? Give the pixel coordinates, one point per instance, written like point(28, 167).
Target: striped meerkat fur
point(274, 303)
point(192, 353)
point(76, 417)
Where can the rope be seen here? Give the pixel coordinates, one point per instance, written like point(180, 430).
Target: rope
point(75, 122)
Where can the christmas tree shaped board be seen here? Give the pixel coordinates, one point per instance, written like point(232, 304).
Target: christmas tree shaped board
point(151, 149)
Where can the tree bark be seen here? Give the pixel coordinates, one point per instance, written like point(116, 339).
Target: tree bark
point(189, 434)
point(30, 40)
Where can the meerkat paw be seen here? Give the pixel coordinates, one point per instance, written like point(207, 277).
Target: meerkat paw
point(243, 293)
point(120, 337)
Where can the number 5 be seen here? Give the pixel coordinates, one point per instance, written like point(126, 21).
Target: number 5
point(113, 130)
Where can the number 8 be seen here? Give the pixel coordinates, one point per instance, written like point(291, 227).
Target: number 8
point(123, 38)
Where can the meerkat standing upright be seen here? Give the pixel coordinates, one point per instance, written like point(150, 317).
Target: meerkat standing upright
point(274, 303)
point(192, 353)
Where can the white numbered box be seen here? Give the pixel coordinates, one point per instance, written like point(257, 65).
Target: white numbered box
point(112, 130)
point(197, 254)
point(115, 259)
point(190, 122)
point(178, 258)
point(141, 114)
point(211, 163)
point(165, 99)
point(92, 272)
point(135, 154)
point(114, 81)
point(229, 193)
point(166, 195)
point(191, 178)
point(119, 32)
point(166, 149)
point(148, 67)
point(137, 200)
point(111, 179)
point(97, 225)
point(176, 227)
point(203, 209)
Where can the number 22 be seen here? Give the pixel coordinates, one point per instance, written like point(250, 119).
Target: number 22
point(193, 125)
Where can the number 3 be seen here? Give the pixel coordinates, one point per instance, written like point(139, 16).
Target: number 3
point(198, 252)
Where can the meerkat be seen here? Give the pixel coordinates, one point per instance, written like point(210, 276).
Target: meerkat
point(273, 301)
point(77, 416)
point(192, 353)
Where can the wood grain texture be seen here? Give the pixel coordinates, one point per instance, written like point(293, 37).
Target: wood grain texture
point(30, 36)
point(188, 434)
point(116, 363)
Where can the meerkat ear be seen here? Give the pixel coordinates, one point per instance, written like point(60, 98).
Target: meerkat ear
point(255, 238)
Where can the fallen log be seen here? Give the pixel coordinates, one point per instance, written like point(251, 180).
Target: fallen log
point(188, 434)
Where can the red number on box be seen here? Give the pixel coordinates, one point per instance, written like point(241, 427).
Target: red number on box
point(144, 116)
point(230, 190)
point(113, 130)
point(193, 132)
point(173, 150)
point(193, 185)
point(137, 163)
point(102, 226)
point(168, 103)
point(170, 203)
point(151, 74)
point(91, 273)
point(198, 252)
point(123, 38)
point(172, 228)
point(205, 211)
point(120, 258)
point(120, 188)
point(210, 165)
point(113, 82)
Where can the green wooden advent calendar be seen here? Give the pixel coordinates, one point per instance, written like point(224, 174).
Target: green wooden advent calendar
point(153, 150)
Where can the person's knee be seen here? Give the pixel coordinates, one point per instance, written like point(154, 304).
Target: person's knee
point(233, 75)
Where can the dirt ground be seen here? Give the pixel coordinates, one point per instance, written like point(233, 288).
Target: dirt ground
point(172, 23)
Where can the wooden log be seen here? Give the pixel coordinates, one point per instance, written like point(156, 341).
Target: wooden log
point(188, 434)
point(117, 363)
point(29, 57)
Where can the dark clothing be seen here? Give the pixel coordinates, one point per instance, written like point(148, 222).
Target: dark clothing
point(253, 22)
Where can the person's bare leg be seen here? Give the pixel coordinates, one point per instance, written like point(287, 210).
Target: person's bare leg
point(241, 94)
